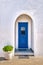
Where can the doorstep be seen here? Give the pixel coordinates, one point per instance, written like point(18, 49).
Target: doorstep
point(29, 52)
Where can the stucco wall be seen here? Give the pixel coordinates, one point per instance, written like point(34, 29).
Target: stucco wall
point(8, 11)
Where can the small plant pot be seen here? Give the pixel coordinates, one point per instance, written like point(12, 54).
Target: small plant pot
point(8, 55)
point(8, 51)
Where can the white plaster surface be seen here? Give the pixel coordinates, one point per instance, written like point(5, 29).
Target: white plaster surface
point(8, 11)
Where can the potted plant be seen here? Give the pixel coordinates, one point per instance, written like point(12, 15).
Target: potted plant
point(8, 51)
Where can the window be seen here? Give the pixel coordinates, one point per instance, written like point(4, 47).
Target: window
point(23, 30)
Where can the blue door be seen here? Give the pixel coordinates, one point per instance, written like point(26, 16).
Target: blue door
point(23, 35)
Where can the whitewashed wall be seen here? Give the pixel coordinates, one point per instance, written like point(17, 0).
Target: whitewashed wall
point(8, 11)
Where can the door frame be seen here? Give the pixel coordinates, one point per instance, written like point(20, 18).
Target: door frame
point(29, 34)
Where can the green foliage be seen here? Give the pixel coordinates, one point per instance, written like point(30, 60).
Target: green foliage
point(7, 48)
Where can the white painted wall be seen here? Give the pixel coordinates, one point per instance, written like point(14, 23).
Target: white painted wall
point(9, 9)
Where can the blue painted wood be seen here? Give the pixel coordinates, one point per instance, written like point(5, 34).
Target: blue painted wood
point(23, 35)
